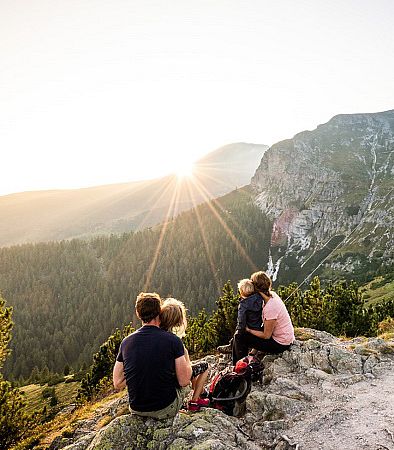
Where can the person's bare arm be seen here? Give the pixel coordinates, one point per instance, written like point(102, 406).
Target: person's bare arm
point(269, 326)
point(187, 355)
point(183, 369)
point(118, 377)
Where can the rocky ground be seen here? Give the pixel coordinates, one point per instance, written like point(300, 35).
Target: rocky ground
point(322, 394)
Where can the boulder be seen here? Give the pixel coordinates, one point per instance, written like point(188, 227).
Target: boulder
point(302, 389)
point(209, 429)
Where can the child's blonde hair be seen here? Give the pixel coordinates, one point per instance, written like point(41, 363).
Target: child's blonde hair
point(173, 316)
point(246, 287)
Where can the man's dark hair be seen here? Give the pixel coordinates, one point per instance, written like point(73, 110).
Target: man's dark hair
point(148, 306)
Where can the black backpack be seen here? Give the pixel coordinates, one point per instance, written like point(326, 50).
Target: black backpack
point(229, 388)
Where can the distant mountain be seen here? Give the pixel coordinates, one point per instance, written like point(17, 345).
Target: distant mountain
point(330, 192)
point(64, 214)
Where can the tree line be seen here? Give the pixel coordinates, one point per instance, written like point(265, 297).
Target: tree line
point(69, 296)
point(336, 308)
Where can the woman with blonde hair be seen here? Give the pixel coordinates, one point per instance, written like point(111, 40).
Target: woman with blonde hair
point(173, 319)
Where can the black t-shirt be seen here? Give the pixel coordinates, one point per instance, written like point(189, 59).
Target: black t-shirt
point(148, 356)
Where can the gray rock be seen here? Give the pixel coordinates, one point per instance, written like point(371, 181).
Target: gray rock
point(267, 432)
point(370, 363)
point(82, 443)
point(59, 442)
point(344, 361)
point(316, 374)
point(381, 368)
point(295, 384)
point(197, 431)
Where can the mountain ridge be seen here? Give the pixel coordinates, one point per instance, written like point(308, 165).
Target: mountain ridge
point(331, 187)
point(81, 213)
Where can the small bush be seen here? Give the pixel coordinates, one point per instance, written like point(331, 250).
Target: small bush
point(48, 392)
point(68, 432)
point(53, 401)
point(386, 326)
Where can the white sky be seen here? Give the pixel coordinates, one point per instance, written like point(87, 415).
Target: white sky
point(106, 91)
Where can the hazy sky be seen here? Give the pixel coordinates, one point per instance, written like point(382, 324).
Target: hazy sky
point(99, 91)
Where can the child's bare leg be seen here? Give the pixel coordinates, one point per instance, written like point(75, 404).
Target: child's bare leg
point(198, 384)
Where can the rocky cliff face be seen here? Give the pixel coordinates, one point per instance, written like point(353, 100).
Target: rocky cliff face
point(330, 192)
point(323, 393)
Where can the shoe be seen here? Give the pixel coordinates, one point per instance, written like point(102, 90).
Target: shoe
point(203, 402)
point(225, 348)
point(193, 406)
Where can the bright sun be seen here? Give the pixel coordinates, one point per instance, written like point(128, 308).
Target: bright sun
point(184, 169)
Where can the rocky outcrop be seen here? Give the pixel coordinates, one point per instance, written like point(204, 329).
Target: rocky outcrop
point(309, 395)
point(331, 187)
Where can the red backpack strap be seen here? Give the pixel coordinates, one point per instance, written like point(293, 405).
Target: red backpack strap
point(213, 382)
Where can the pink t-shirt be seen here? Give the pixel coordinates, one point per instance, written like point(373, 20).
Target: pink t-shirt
point(275, 309)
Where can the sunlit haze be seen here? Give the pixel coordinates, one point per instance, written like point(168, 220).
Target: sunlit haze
point(184, 170)
point(98, 92)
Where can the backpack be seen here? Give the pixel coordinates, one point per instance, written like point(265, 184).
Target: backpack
point(229, 388)
point(250, 367)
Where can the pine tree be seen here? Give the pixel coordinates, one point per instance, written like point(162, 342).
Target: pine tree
point(66, 370)
point(103, 363)
point(224, 319)
point(14, 422)
point(5, 330)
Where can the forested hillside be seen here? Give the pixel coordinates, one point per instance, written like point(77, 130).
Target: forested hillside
point(69, 296)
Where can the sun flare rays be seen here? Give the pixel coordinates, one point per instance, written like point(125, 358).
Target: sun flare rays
point(191, 190)
point(152, 267)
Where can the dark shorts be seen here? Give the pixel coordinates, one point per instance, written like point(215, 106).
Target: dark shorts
point(243, 341)
point(198, 368)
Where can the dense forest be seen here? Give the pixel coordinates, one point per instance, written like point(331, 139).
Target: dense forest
point(68, 297)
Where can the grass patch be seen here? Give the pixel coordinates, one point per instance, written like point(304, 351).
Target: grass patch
point(104, 421)
point(65, 393)
point(387, 336)
point(65, 424)
point(377, 291)
point(301, 334)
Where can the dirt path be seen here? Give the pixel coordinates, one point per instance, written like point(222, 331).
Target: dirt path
point(358, 417)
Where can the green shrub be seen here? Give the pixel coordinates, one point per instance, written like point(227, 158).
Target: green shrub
point(48, 392)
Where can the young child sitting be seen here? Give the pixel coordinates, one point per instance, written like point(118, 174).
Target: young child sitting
point(173, 319)
point(250, 307)
point(250, 310)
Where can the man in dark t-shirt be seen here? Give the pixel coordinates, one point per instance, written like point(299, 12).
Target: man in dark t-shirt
point(153, 363)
